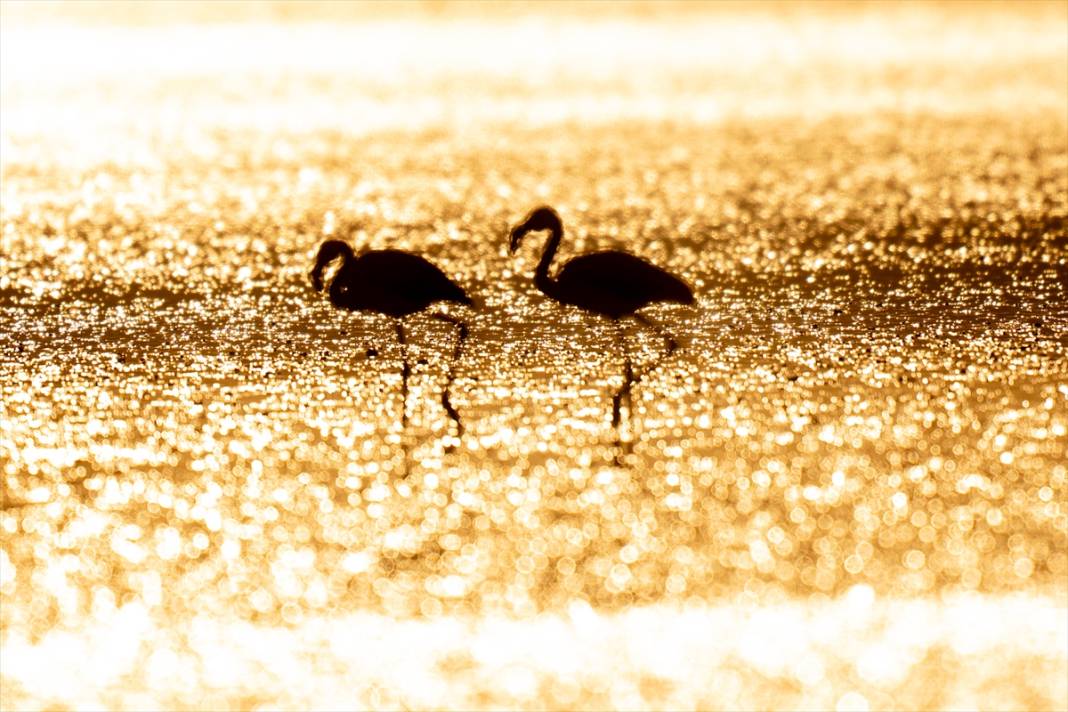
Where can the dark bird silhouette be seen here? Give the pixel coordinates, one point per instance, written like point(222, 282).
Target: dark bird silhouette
point(396, 284)
point(610, 283)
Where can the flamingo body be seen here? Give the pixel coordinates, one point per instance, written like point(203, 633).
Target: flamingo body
point(616, 284)
point(389, 282)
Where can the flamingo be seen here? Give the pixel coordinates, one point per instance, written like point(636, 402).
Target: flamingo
point(396, 284)
point(609, 283)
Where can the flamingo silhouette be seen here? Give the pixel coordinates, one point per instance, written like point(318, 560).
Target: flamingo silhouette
point(610, 283)
point(396, 284)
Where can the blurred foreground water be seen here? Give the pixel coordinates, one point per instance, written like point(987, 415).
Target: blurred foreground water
point(846, 489)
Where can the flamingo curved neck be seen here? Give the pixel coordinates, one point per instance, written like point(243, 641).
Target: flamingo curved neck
point(541, 275)
point(327, 254)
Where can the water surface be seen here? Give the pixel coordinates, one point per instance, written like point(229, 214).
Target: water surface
point(846, 488)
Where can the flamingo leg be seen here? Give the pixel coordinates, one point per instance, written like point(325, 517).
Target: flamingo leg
point(461, 336)
point(406, 371)
point(669, 340)
point(624, 392)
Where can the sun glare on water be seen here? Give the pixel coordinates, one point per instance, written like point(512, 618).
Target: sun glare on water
point(844, 490)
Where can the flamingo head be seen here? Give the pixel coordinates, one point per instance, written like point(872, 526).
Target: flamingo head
point(543, 218)
point(328, 252)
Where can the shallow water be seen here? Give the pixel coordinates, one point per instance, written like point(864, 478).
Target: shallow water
point(866, 420)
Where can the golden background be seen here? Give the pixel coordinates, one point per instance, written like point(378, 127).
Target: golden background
point(847, 489)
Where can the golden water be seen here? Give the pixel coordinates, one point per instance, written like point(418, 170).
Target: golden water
point(846, 488)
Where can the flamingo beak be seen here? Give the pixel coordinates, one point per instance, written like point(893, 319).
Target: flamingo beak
point(517, 237)
point(316, 280)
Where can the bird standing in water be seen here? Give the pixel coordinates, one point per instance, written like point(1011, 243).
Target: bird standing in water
point(610, 283)
point(396, 284)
